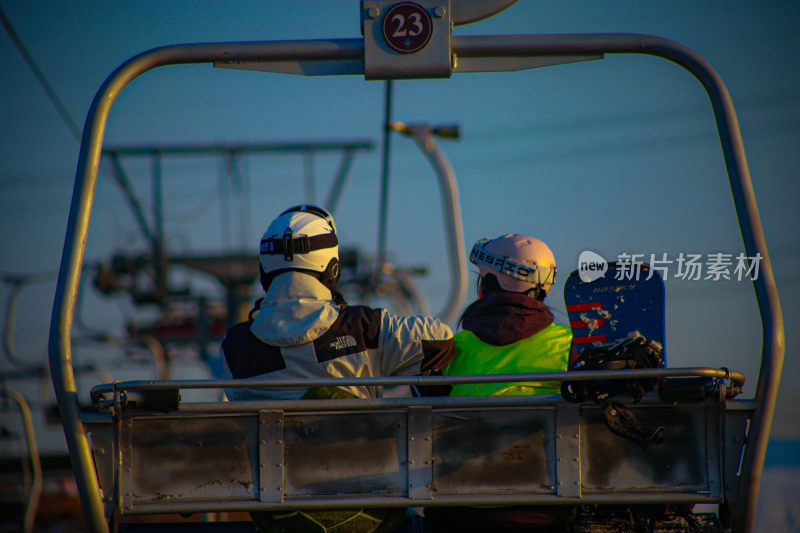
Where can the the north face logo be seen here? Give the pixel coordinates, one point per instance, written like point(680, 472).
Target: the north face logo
point(343, 342)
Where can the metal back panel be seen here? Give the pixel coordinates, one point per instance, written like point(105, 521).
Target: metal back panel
point(345, 453)
point(269, 459)
point(194, 458)
point(494, 452)
point(687, 460)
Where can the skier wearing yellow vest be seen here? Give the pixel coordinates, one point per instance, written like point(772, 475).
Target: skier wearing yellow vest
point(509, 329)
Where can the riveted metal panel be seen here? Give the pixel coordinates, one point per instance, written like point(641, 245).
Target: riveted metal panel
point(420, 453)
point(185, 459)
point(105, 457)
point(611, 463)
point(737, 424)
point(345, 453)
point(568, 451)
point(124, 490)
point(494, 451)
point(270, 456)
point(714, 447)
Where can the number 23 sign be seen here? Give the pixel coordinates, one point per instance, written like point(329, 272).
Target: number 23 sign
point(407, 27)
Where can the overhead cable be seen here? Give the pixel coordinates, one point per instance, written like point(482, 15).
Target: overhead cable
point(73, 127)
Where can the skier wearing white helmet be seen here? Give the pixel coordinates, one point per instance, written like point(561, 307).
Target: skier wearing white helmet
point(303, 328)
point(509, 329)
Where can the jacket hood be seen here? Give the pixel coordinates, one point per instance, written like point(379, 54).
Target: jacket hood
point(297, 309)
point(506, 317)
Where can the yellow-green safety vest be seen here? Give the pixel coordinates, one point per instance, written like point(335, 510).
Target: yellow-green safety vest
point(545, 351)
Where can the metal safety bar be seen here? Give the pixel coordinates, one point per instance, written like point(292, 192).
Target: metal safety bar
point(588, 375)
point(332, 51)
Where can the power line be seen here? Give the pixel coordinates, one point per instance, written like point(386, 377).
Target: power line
point(483, 161)
point(71, 124)
point(595, 122)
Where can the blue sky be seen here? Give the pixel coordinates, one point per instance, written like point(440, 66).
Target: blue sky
point(615, 156)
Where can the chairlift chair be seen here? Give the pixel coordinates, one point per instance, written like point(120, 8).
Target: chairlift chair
point(133, 458)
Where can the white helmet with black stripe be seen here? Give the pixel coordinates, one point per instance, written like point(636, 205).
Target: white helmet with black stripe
point(302, 238)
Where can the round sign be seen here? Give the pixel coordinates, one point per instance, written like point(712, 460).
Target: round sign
point(407, 27)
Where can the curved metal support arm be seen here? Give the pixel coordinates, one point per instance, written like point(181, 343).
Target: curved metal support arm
point(33, 452)
point(17, 283)
point(423, 135)
point(78, 222)
point(8, 326)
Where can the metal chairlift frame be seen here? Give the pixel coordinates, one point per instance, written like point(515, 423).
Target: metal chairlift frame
point(445, 54)
point(424, 137)
point(32, 486)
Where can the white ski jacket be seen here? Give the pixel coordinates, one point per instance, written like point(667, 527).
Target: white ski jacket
point(300, 333)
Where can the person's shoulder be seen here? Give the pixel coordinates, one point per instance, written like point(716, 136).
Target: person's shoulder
point(561, 327)
point(357, 327)
point(238, 331)
point(360, 313)
point(247, 356)
point(422, 326)
point(240, 337)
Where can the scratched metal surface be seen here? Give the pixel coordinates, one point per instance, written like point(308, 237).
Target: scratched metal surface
point(346, 453)
point(681, 463)
point(193, 459)
point(497, 451)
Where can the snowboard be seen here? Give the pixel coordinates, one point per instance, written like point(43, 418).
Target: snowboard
point(607, 309)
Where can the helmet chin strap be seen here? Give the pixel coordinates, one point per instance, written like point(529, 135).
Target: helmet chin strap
point(537, 293)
